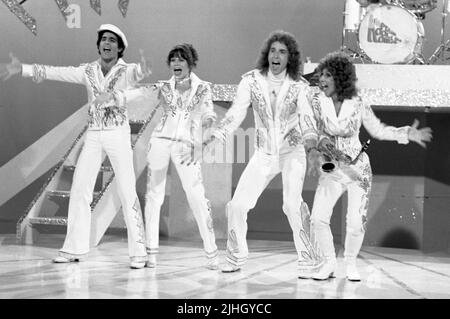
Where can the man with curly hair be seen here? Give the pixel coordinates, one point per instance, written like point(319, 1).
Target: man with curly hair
point(276, 92)
point(334, 119)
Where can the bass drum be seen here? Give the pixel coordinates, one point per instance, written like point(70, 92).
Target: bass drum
point(390, 34)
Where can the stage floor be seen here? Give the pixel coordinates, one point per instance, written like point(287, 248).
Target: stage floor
point(270, 273)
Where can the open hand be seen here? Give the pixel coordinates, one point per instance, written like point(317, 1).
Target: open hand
point(314, 162)
point(420, 136)
point(102, 98)
point(8, 70)
point(146, 68)
point(191, 153)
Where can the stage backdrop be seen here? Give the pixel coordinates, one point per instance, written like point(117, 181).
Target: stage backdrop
point(227, 34)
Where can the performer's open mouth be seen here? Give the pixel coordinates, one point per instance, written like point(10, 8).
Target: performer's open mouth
point(177, 71)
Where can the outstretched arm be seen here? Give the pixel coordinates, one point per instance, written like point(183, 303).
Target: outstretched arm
point(308, 125)
point(42, 72)
point(402, 135)
point(219, 134)
point(122, 97)
point(236, 114)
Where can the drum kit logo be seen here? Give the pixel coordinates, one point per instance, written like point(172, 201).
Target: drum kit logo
point(378, 32)
point(390, 31)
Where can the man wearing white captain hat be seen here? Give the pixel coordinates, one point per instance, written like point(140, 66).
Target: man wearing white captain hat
point(108, 130)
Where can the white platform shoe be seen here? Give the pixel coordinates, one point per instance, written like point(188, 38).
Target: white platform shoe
point(137, 262)
point(227, 268)
point(151, 261)
point(213, 263)
point(326, 271)
point(62, 260)
point(351, 271)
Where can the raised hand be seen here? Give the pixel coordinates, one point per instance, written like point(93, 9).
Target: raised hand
point(191, 154)
point(146, 68)
point(420, 136)
point(314, 162)
point(102, 98)
point(8, 70)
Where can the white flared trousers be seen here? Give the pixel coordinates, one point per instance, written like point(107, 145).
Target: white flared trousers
point(160, 153)
point(261, 169)
point(116, 144)
point(328, 191)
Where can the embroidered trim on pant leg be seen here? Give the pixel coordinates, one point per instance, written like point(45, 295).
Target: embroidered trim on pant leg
point(139, 221)
point(312, 257)
point(209, 220)
point(232, 244)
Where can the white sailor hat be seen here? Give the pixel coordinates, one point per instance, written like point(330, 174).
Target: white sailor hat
point(114, 29)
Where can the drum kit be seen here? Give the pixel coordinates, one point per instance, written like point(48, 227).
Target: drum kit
point(391, 31)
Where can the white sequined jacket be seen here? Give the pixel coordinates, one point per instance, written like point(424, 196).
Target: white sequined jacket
point(276, 133)
point(319, 120)
point(122, 76)
point(183, 116)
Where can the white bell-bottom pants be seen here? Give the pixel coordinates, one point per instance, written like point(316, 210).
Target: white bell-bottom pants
point(328, 191)
point(160, 153)
point(117, 145)
point(261, 169)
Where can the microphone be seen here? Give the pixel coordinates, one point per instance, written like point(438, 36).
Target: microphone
point(363, 149)
point(329, 165)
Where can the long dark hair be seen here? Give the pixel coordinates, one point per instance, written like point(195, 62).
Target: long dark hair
point(294, 60)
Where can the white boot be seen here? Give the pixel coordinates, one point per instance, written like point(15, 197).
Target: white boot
point(306, 273)
point(61, 259)
point(326, 271)
point(213, 263)
point(137, 264)
point(151, 262)
point(351, 270)
point(230, 268)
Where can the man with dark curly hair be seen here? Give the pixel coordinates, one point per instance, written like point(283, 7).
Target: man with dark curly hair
point(334, 120)
point(276, 92)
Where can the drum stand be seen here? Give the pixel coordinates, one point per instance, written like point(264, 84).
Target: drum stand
point(438, 54)
point(355, 54)
point(419, 58)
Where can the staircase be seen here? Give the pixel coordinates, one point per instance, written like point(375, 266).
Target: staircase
point(47, 213)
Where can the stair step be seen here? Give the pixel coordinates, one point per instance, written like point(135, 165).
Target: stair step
point(102, 168)
point(62, 221)
point(65, 194)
